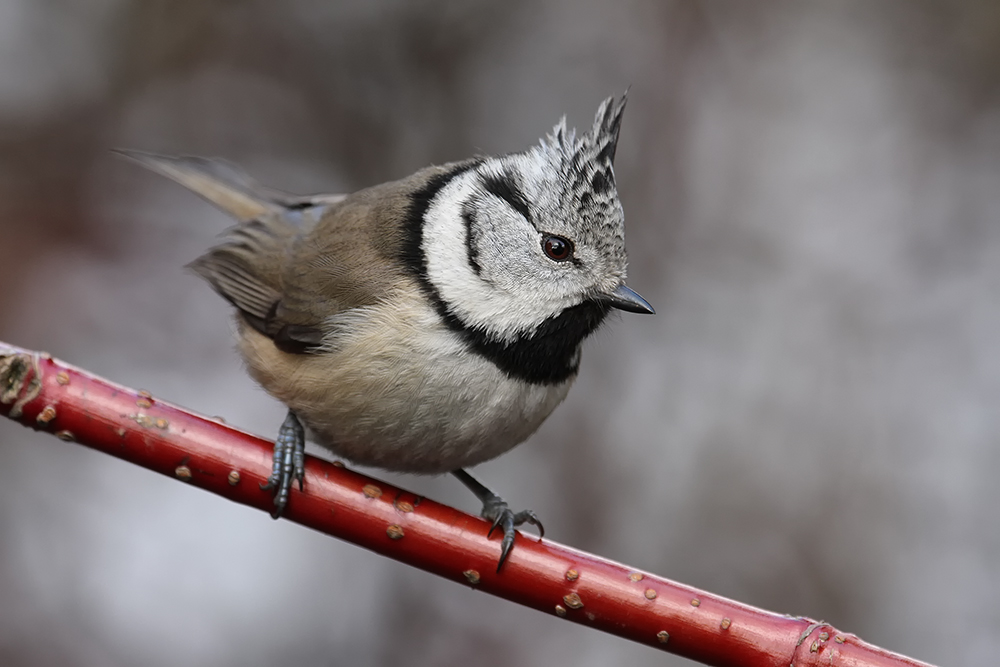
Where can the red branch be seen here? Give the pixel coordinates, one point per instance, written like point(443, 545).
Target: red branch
point(51, 396)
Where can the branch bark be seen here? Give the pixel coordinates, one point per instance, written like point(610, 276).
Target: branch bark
point(49, 395)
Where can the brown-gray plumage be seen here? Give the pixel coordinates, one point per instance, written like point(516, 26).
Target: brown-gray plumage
point(426, 324)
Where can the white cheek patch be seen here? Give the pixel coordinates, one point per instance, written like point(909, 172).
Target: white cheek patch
point(503, 314)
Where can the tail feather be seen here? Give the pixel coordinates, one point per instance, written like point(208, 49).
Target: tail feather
point(221, 183)
point(246, 267)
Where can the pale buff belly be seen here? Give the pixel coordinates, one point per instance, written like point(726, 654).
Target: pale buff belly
point(398, 390)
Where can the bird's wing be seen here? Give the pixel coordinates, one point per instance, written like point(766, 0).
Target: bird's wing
point(247, 267)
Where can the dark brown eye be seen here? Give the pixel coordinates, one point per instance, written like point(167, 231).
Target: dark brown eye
point(558, 248)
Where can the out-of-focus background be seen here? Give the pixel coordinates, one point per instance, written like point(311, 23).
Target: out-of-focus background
point(811, 422)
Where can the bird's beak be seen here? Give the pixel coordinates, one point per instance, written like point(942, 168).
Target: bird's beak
point(625, 298)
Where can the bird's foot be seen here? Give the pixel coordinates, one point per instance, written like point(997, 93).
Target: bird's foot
point(495, 509)
point(288, 463)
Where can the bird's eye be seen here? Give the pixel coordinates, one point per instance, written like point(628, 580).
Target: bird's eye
point(557, 248)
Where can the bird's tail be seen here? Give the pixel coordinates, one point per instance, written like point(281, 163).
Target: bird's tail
point(220, 182)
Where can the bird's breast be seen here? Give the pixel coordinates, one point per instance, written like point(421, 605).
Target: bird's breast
point(398, 389)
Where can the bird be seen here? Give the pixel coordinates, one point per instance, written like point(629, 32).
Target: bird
point(428, 324)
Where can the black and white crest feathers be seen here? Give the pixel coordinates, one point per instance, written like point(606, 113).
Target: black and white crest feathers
point(589, 191)
point(590, 158)
point(477, 233)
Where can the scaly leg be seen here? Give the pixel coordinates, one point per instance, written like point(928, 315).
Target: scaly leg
point(288, 463)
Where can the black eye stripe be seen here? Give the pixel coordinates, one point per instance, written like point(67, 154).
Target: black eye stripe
point(506, 189)
point(469, 218)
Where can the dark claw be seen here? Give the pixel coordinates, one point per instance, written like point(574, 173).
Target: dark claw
point(288, 463)
point(503, 517)
point(496, 522)
point(527, 516)
point(496, 510)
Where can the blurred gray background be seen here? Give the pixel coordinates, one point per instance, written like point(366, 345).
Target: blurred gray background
point(810, 423)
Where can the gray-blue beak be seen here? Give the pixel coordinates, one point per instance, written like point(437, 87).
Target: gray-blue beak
point(625, 298)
